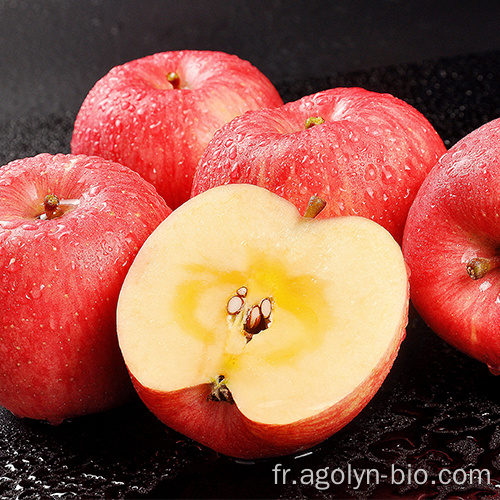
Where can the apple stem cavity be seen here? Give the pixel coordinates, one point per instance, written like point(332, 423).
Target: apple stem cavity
point(220, 391)
point(314, 207)
point(478, 267)
point(174, 80)
point(314, 120)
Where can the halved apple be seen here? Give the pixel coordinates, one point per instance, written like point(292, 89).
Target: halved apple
point(257, 331)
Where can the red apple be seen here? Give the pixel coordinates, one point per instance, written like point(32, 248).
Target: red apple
point(157, 114)
point(257, 331)
point(70, 227)
point(452, 245)
point(363, 152)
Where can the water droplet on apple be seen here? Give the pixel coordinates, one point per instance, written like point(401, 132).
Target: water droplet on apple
point(302, 189)
point(370, 172)
point(36, 293)
point(4, 235)
point(235, 172)
point(233, 152)
point(30, 226)
point(9, 224)
point(14, 265)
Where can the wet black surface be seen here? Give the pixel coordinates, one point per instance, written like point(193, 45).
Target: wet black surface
point(437, 411)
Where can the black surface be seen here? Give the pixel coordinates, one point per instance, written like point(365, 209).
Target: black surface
point(437, 409)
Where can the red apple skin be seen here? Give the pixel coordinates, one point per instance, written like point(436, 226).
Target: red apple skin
point(222, 427)
point(60, 280)
point(455, 217)
point(368, 158)
point(134, 116)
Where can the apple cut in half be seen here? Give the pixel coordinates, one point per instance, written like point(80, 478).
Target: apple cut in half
point(257, 331)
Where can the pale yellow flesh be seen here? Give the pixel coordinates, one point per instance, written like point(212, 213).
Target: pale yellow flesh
point(339, 292)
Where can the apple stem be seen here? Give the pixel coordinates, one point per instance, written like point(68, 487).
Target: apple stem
point(314, 120)
point(314, 207)
point(54, 207)
point(174, 80)
point(478, 267)
point(51, 206)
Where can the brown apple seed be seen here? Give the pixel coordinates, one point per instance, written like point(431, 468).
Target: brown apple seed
point(235, 304)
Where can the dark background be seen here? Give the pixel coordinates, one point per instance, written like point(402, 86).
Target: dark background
point(53, 51)
point(438, 409)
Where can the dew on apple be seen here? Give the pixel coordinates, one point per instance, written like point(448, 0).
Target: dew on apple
point(29, 226)
point(371, 172)
point(235, 172)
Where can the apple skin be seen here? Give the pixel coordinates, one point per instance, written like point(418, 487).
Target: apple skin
point(135, 116)
point(215, 425)
point(455, 217)
point(368, 158)
point(60, 279)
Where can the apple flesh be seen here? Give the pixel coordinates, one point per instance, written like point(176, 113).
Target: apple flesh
point(257, 331)
point(363, 152)
point(70, 227)
point(452, 242)
point(157, 114)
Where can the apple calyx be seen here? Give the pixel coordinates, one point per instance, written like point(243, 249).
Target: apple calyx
point(478, 267)
point(53, 207)
point(220, 391)
point(174, 80)
point(314, 206)
point(314, 120)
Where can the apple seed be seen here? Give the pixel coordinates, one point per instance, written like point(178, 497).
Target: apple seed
point(253, 319)
point(220, 391)
point(235, 304)
point(266, 308)
point(242, 291)
point(314, 120)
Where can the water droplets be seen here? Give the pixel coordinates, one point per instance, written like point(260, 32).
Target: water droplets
point(371, 172)
point(36, 292)
point(30, 226)
point(235, 172)
point(14, 265)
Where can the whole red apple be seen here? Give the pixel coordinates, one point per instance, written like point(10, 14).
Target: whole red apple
point(363, 152)
point(70, 227)
point(258, 331)
point(452, 245)
point(157, 114)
